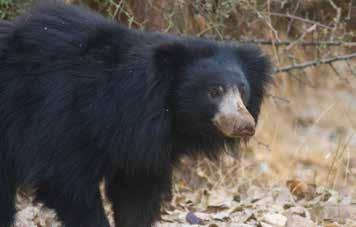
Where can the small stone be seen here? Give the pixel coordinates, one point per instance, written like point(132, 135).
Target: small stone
point(298, 221)
point(274, 219)
point(192, 219)
point(301, 211)
point(265, 225)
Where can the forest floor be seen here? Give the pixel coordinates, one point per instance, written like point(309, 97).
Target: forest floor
point(299, 170)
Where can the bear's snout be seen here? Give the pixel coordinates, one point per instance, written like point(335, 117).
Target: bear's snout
point(235, 125)
point(233, 119)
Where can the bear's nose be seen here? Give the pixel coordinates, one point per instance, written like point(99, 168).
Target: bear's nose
point(245, 129)
point(244, 123)
point(238, 124)
point(233, 119)
point(235, 125)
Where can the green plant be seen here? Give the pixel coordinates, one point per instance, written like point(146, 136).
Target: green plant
point(5, 2)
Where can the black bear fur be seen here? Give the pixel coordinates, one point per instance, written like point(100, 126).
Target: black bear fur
point(84, 99)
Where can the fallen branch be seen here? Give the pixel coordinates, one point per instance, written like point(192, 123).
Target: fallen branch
point(301, 43)
point(301, 19)
point(315, 63)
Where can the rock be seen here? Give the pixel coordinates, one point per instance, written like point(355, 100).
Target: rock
point(300, 211)
point(192, 219)
point(274, 219)
point(298, 221)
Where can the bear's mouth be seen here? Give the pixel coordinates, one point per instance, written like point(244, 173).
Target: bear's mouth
point(233, 119)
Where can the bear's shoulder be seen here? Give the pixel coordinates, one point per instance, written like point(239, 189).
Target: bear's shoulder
point(60, 31)
point(60, 28)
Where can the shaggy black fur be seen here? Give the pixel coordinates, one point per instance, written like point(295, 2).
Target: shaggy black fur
point(84, 99)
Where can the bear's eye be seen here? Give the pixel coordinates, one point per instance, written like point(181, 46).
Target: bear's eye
point(216, 91)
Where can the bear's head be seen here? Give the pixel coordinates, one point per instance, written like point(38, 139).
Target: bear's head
point(215, 90)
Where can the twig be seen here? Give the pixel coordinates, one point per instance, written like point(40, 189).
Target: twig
point(267, 20)
point(337, 19)
point(302, 43)
point(315, 63)
point(260, 143)
point(278, 98)
point(274, 33)
point(301, 19)
point(349, 11)
point(290, 24)
point(300, 39)
point(338, 74)
point(352, 70)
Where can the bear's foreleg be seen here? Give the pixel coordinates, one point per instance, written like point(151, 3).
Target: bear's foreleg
point(78, 207)
point(137, 199)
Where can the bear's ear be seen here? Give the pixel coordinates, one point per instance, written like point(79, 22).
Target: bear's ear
point(170, 56)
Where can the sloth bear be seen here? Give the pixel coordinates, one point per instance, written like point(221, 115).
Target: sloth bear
point(83, 99)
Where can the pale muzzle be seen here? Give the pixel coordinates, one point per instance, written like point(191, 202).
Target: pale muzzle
point(233, 118)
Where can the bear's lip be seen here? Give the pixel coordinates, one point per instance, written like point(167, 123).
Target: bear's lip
point(233, 119)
